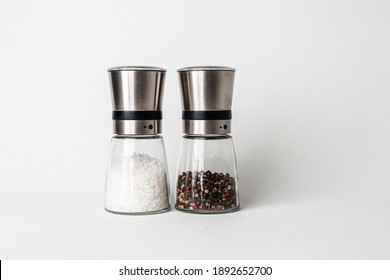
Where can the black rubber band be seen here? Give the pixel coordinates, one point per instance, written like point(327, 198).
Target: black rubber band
point(207, 115)
point(136, 115)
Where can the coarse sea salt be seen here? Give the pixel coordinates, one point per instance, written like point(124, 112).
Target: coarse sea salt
point(136, 184)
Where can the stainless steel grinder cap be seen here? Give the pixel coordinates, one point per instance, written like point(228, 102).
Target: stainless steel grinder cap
point(137, 94)
point(206, 93)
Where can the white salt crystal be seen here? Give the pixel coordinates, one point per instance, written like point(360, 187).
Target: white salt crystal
point(137, 183)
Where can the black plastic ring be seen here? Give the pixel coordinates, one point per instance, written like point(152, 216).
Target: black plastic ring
point(137, 115)
point(207, 115)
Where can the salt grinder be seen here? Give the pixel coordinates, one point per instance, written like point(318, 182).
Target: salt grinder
point(137, 174)
point(207, 173)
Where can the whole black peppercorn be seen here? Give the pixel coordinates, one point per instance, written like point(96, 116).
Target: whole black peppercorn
point(205, 191)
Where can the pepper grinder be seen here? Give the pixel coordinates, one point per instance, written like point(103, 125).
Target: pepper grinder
point(137, 173)
point(207, 172)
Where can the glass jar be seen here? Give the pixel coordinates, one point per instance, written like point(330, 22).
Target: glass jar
point(137, 175)
point(207, 175)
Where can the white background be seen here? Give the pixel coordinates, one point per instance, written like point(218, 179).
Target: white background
point(311, 126)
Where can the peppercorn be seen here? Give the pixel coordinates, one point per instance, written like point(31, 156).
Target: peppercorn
point(204, 190)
